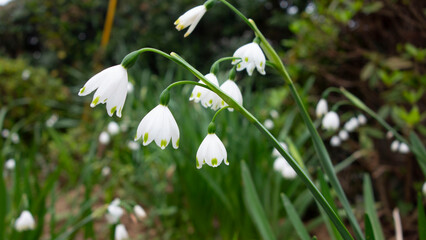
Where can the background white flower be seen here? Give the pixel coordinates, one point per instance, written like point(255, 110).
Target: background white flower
point(121, 233)
point(403, 148)
point(395, 146)
point(211, 152)
point(191, 19)
point(10, 164)
point(139, 212)
point(331, 121)
point(322, 108)
point(251, 57)
point(25, 222)
point(113, 128)
point(159, 125)
point(335, 141)
point(362, 120)
point(104, 138)
point(282, 166)
point(269, 124)
point(343, 135)
point(111, 85)
point(114, 212)
point(231, 88)
point(351, 125)
point(276, 153)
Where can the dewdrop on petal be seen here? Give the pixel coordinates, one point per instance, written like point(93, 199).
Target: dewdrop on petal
point(335, 141)
point(113, 128)
point(111, 85)
point(343, 135)
point(394, 146)
point(25, 222)
point(403, 148)
point(10, 164)
point(139, 212)
point(104, 138)
point(160, 126)
point(322, 108)
point(331, 121)
point(114, 212)
point(121, 233)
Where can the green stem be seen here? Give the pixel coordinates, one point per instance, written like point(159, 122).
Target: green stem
point(186, 82)
point(217, 113)
point(215, 66)
point(318, 143)
point(300, 172)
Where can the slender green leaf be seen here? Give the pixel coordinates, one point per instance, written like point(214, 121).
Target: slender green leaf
point(253, 204)
point(294, 218)
point(422, 217)
point(369, 233)
point(371, 210)
point(419, 150)
point(327, 194)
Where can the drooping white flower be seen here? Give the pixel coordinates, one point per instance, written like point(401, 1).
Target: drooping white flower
point(343, 135)
point(14, 137)
point(331, 121)
point(282, 166)
point(211, 152)
point(106, 171)
point(104, 138)
point(403, 148)
point(111, 85)
point(269, 124)
point(190, 19)
point(424, 189)
point(351, 125)
point(322, 108)
point(159, 125)
point(113, 128)
point(10, 164)
point(5, 133)
point(395, 146)
point(52, 120)
point(251, 57)
point(114, 212)
point(362, 120)
point(132, 145)
point(207, 97)
point(276, 153)
point(139, 212)
point(274, 114)
point(121, 233)
point(25, 222)
point(335, 141)
point(230, 88)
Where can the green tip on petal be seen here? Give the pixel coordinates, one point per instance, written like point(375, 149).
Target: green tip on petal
point(163, 143)
point(145, 137)
point(113, 109)
point(246, 59)
point(96, 100)
point(226, 161)
point(197, 163)
point(136, 137)
point(177, 142)
point(82, 90)
point(214, 162)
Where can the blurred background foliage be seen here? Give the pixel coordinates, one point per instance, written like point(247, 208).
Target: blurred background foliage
point(48, 49)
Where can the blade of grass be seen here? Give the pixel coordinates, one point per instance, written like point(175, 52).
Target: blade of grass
point(294, 218)
point(371, 210)
point(327, 194)
point(254, 206)
point(369, 233)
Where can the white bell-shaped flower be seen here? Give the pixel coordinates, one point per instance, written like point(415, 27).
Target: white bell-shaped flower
point(10, 164)
point(351, 125)
point(114, 212)
point(343, 135)
point(322, 108)
point(403, 148)
point(159, 125)
point(331, 121)
point(211, 152)
point(121, 233)
point(111, 85)
point(335, 141)
point(139, 212)
point(231, 88)
point(104, 138)
point(25, 222)
point(276, 153)
point(362, 120)
point(113, 128)
point(282, 166)
point(251, 57)
point(394, 146)
point(190, 19)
